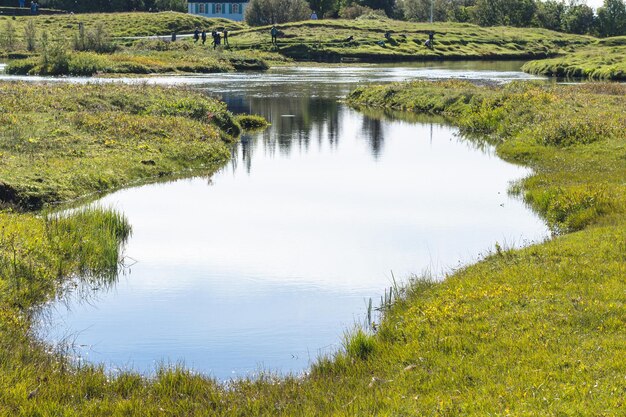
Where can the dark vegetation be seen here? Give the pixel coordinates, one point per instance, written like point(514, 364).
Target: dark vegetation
point(573, 17)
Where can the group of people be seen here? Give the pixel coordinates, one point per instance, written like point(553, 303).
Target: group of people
point(218, 37)
point(34, 6)
point(429, 43)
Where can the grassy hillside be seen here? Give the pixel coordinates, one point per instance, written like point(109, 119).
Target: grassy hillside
point(327, 40)
point(119, 24)
point(537, 331)
point(603, 60)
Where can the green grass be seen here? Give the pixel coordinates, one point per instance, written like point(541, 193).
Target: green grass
point(54, 56)
point(65, 26)
point(326, 40)
point(60, 142)
point(196, 60)
point(604, 60)
point(252, 122)
point(534, 331)
point(572, 136)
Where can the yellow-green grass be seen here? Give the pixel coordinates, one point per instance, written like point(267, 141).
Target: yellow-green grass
point(52, 54)
point(535, 331)
point(65, 26)
point(573, 137)
point(60, 142)
point(604, 60)
point(322, 40)
point(194, 59)
point(326, 40)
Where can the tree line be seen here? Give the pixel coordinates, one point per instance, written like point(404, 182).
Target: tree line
point(573, 17)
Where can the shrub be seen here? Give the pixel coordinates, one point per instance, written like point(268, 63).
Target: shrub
point(22, 66)
point(268, 12)
point(356, 10)
point(97, 40)
point(30, 33)
point(566, 132)
point(251, 121)
point(8, 36)
point(87, 63)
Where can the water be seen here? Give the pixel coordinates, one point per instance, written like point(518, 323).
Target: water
point(265, 265)
point(495, 71)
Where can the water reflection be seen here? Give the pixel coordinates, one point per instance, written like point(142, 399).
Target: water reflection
point(266, 264)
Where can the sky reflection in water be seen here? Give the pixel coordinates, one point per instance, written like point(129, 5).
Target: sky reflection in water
point(265, 265)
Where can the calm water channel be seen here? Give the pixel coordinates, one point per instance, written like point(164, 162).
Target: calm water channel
point(266, 264)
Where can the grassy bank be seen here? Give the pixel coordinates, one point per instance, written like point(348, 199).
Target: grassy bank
point(329, 40)
point(60, 142)
point(150, 57)
point(572, 136)
point(536, 331)
point(604, 60)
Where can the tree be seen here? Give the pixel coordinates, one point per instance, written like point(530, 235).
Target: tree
point(324, 7)
point(505, 12)
point(387, 5)
point(443, 10)
point(268, 12)
point(612, 18)
point(579, 19)
point(520, 12)
point(487, 13)
point(175, 5)
point(549, 14)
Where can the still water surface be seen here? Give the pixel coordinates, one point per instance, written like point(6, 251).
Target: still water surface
point(266, 264)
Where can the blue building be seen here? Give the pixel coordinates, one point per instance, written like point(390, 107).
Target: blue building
point(232, 10)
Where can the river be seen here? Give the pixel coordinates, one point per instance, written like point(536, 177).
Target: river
point(267, 264)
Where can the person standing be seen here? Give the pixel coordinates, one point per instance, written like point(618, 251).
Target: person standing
point(430, 43)
point(274, 33)
point(214, 36)
point(196, 35)
point(226, 38)
point(203, 36)
point(22, 4)
point(313, 15)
